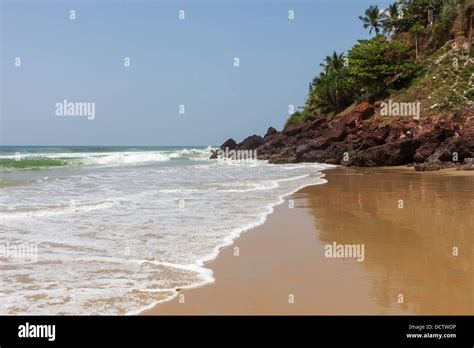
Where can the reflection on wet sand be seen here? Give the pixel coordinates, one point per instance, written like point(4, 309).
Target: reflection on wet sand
point(417, 229)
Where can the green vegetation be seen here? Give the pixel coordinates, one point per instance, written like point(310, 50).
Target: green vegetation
point(331, 90)
point(373, 19)
point(296, 117)
point(446, 84)
point(415, 12)
point(378, 65)
point(398, 58)
point(390, 19)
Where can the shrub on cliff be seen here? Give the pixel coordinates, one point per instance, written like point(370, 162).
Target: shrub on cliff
point(442, 29)
point(296, 117)
point(412, 17)
point(374, 66)
point(378, 65)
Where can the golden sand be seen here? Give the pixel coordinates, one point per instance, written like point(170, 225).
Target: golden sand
point(417, 233)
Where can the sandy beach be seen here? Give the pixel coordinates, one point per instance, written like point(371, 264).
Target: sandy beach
point(416, 230)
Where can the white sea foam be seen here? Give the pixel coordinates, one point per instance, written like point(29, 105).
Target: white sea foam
point(134, 234)
point(70, 208)
point(115, 158)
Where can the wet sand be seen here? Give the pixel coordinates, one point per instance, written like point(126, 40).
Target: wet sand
point(408, 223)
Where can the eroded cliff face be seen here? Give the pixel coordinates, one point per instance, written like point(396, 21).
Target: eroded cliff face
point(429, 125)
point(361, 138)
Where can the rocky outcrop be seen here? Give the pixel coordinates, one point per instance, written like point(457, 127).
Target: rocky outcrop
point(271, 131)
point(391, 154)
point(468, 164)
point(229, 144)
point(250, 143)
point(360, 137)
point(364, 110)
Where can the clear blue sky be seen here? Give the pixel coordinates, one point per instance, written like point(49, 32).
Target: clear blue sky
point(173, 62)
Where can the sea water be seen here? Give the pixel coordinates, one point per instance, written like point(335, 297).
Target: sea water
point(115, 230)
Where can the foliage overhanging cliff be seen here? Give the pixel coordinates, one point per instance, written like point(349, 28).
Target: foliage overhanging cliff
point(421, 58)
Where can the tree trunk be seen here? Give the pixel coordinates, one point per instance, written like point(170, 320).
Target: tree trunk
point(416, 44)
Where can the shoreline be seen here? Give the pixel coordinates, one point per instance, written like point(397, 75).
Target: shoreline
point(201, 264)
point(231, 272)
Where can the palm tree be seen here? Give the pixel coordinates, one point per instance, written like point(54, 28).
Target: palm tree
point(390, 18)
point(416, 30)
point(372, 19)
point(334, 62)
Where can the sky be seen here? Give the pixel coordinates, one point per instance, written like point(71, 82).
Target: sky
point(174, 62)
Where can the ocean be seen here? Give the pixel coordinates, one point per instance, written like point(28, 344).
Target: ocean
point(116, 230)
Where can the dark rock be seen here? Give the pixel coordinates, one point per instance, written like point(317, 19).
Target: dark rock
point(424, 151)
point(271, 131)
point(316, 123)
point(396, 131)
point(468, 164)
point(455, 149)
point(335, 152)
point(302, 149)
point(364, 110)
point(334, 134)
point(441, 141)
point(272, 145)
point(391, 154)
point(313, 156)
point(277, 140)
point(434, 165)
point(428, 166)
point(370, 137)
point(230, 144)
point(287, 155)
point(294, 129)
point(250, 143)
